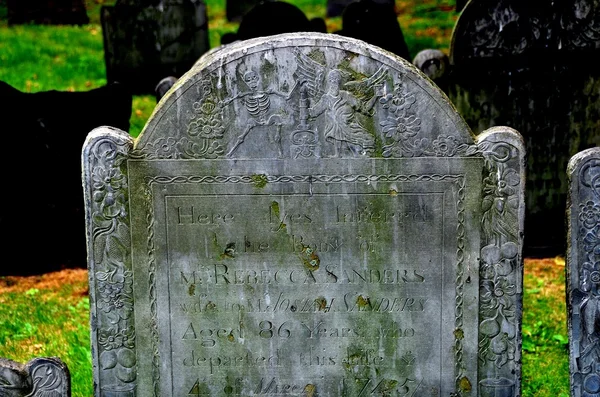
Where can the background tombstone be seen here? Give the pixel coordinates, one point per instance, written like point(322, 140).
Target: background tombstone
point(273, 17)
point(149, 40)
point(235, 10)
point(512, 63)
point(272, 214)
point(46, 199)
point(583, 262)
point(40, 377)
point(375, 22)
point(54, 12)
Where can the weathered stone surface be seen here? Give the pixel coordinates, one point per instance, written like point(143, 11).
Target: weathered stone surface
point(583, 262)
point(526, 64)
point(145, 42)
point(40, 377)
point(305, 214)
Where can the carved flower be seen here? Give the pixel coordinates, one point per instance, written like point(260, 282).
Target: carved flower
point(401, 127)
point(590, 276)
point(589, 214)
point(591, 243)
point(108, 186)
point(503, 183)
point(493, 293)
point(164, 147)
point(445, 146)
point(115, 296)
point(209, 122)
point(110, 339)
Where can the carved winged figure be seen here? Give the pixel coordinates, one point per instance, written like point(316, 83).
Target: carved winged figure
point(340, 103)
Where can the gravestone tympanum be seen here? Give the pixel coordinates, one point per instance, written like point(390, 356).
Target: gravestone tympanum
point(583, 265)
point(305, 214)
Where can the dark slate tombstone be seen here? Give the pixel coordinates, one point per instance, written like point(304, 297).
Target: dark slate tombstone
point(274, 17)
point(147, 41)
point(40, 377)
point(46, 205)
point(583, 270)
point(527, 65)
point(305, 214)
point(335, 8)
point(235, 10)
point(53, 12)
point(376, 23)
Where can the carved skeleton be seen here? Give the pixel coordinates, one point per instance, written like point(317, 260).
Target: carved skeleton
point(258, 104)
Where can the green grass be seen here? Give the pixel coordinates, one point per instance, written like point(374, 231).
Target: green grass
point(545, 339)
point(46, 323)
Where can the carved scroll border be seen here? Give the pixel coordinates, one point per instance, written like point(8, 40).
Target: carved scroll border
point(458, 180)
point(582, 271)
point(501, 263)
point(109, 261)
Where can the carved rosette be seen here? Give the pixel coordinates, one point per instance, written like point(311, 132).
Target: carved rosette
point(583, 273)
point(109, 262)
point(501, 264)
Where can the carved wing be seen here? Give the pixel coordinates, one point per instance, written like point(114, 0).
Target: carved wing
point(364, 89)
point(311, 73)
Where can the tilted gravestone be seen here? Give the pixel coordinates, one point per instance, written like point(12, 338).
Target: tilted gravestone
point(583, 272)
point(527, 65)
point(149, 40)
point(305, 214)
point(40, 377)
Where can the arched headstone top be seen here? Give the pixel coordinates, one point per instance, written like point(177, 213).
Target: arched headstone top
point(536, 30)
point(505, 28)
point(304, 95)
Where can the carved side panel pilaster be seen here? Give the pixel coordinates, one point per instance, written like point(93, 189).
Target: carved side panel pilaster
point(583, 272)
point(109, 262)
point(501, 263)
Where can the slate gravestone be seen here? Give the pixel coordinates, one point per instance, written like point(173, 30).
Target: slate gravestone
point(375, 22)
point(583, 265)
point(40, 377)
point(147, 41)
point(305, 214)
point(527, 65)
point(235, 10)
point(274, 17)
point(53, 125)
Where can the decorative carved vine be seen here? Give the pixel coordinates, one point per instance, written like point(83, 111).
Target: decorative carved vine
point(111, 256)
point(498, 278)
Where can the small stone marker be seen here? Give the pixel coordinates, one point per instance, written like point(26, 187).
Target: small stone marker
point(303, 215)
point(40, 377)
point(583, 272)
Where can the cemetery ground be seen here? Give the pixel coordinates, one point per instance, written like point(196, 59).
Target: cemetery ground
point(48, 315)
